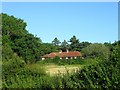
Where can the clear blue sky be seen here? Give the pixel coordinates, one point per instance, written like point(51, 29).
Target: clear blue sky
point(89, 21)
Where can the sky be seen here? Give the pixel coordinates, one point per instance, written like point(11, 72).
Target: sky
point(88, 21)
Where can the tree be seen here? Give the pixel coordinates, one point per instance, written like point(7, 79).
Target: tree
point(74, 46)
point(19, 40)
point(96, 50)
point(64, 45)
point(56, 42)
point(47, 48)
point(83, 45)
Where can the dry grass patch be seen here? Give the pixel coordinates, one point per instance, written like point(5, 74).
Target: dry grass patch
point(55, 69)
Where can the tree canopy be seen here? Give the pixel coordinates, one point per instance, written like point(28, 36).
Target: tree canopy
point(64, 46)
point(56, 42)
point(96, 50)
point(20, 41)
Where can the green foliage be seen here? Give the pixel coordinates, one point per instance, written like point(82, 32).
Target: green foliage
point(25, 79)
point(16, 74)
point(20, 41)
point(101, 75)
point(96, 50)
point(0, 61)
point(12, 66)
point(64, 46)
point(83, 45)
point(47, 48)
point(74, 46)
point(35, 69)
point(78, 61)
point(28, 48)
point(20, 47)
point(11, 29)
point(55, 42)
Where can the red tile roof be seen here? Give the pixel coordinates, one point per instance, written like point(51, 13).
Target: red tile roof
point(63, 54)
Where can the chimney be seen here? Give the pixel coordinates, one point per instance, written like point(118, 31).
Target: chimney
point(67, 50)
point(60, 51)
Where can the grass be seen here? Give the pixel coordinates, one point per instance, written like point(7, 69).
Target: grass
point(36, 68)
point(55, 69)
point(52, 68)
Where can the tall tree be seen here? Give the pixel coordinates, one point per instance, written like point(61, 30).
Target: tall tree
point(56, 42)
point(64, 45)
point(74, 46)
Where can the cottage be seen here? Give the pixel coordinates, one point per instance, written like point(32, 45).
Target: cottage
point(63, 55)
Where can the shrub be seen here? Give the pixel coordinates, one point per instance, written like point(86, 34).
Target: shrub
point(96, 50)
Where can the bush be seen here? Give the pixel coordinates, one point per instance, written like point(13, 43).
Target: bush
point(96, 50)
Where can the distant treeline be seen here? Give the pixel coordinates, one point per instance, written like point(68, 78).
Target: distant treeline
point(17, 40)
